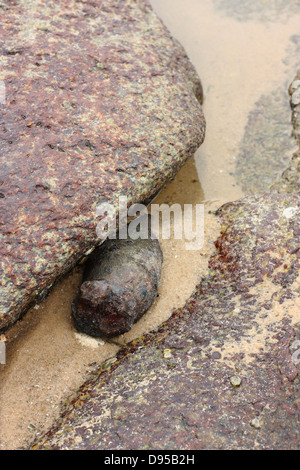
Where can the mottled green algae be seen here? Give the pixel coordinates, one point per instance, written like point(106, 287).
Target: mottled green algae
point(100, 102)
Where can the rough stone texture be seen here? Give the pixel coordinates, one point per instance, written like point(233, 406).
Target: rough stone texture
point(221, 373)
point(261, 158)
point(100, 102)
point(290, 179)
point(120, 283)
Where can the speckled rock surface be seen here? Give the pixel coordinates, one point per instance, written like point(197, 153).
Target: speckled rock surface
point(290, 179)
point(221, 373)
point(261, 158)
point(100, 102)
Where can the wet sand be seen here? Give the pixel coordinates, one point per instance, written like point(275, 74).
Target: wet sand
point(237, 62)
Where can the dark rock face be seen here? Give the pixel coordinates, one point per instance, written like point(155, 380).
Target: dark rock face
point(100, 102)
point(221, 373)
point(120, 283)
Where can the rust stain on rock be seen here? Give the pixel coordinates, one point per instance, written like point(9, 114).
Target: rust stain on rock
point(100, 102)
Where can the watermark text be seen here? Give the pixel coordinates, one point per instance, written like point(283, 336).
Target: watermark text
point(156, 221)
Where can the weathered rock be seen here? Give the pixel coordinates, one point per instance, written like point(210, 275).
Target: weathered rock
point(261, 158)
point(173, 388)
point(290, 179)
point(120, 283)
point(100, 102)
point(294, 91)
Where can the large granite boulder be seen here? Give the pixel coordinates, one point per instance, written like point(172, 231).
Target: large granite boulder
point(99, 102)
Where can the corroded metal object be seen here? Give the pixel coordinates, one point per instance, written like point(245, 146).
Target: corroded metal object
point(99, 102)
point(120, 283)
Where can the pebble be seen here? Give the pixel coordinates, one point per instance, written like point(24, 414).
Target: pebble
point(167, 353)
point(235, 380)
point(256, 423)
